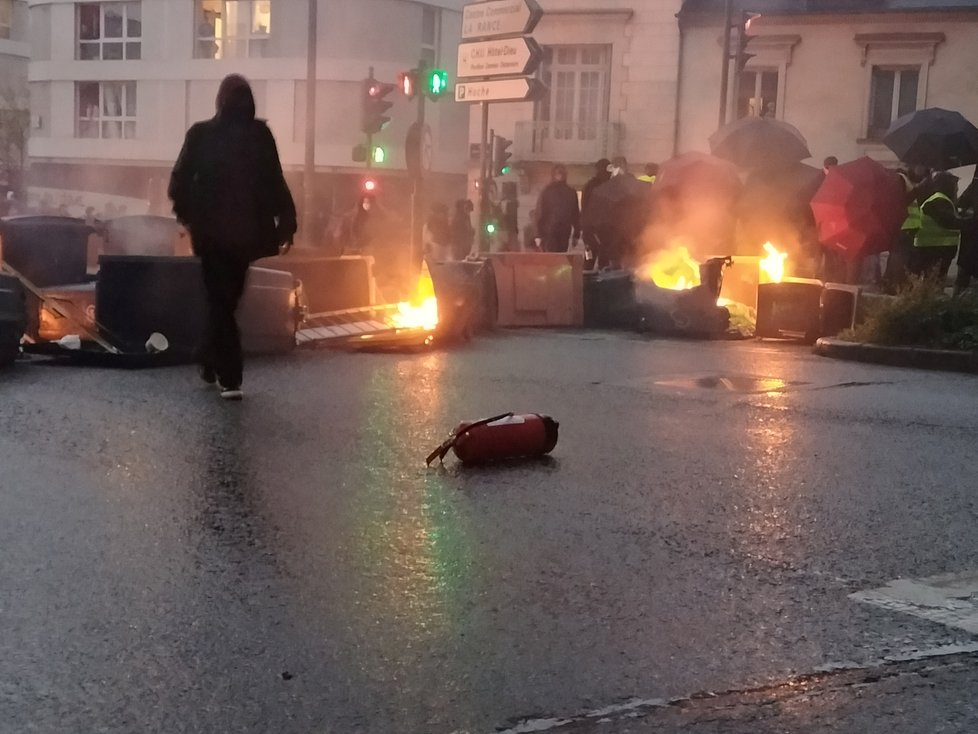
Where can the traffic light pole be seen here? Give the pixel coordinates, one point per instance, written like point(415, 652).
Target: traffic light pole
point(370, 136)
point(417, 197)
point(725, 69)
point(309, 169)
point(483, 209)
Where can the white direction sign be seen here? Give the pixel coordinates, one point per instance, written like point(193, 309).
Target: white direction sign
point(502, 57)
point(500, 18)
point(498, 90)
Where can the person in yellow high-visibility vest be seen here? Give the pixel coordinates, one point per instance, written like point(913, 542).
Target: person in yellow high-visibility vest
point(915, 179)
point(968, 252)
point(937, 240)
point(651, 173)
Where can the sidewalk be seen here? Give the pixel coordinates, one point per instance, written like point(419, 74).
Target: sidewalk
point(924, 696)
point(914, 357)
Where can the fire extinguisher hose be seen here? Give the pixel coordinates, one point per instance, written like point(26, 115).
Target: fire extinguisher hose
point(442, 451)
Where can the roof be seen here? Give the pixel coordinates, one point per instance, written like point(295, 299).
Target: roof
point(820, 7)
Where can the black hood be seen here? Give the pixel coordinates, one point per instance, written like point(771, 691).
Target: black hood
point(235, 100)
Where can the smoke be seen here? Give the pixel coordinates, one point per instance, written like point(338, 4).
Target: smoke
point(714, 223)
point(145, 235)
point(702, 223)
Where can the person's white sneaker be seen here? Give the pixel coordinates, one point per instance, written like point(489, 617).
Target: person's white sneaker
point(231, 393)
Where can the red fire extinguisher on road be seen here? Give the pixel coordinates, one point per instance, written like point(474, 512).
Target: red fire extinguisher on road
point(502, 437)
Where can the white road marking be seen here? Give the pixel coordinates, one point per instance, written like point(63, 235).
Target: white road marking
point(948, 599)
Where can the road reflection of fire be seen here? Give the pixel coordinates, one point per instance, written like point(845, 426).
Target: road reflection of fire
point(421, 312)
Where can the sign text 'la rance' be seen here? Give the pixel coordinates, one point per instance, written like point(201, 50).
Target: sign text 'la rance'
point(499, 18)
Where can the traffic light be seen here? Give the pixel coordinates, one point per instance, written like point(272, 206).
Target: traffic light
point(408, 81)
point(743, 40)
point(501, 156)
point(369, 186)
point(379, 155)
point(373, 117)
point(436, 83)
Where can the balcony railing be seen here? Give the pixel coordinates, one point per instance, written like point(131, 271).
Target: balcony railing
point(566, 142)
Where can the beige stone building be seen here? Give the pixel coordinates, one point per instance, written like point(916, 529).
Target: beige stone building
point(611, 71)
point(642, 79)
point(839, 70)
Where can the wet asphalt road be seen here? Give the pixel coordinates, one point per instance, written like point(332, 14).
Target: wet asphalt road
point(171, 563)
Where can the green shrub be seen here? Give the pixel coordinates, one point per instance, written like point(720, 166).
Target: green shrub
point(921, 315)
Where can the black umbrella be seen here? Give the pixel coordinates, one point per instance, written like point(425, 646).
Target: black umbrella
point(622, 197)
point(759, 142)
point(935, 138)
point(782, 190)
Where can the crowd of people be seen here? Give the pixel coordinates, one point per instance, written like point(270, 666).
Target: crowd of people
point(939, 229)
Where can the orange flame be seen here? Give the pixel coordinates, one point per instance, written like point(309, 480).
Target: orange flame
point(773, 266)
point(421, 312)
point(673, 269)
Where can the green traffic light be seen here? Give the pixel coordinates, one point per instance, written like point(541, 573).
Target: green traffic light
point(490, 228)
point(437, 82)
point(380, 155)
point(505, 170)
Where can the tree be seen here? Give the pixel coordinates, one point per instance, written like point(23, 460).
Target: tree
point(15, 125)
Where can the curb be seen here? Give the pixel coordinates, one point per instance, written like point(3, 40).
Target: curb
point(944, 360)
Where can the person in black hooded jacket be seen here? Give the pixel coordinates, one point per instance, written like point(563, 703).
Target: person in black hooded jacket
point(228, 189)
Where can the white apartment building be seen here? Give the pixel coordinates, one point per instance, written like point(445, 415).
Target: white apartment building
point(114, 86)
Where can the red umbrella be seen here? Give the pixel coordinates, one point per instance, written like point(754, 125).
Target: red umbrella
point(859, 208)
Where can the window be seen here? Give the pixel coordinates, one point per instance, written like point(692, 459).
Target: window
point(106, 110)
point(757, 93)
point(6, 17)
point(429, 35)
point(232, 29)
point(893, 93)
point(577, 104)
point(109, 31)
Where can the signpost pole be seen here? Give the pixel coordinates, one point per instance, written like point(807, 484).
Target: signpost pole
point(484, 180)
point(495, 61)
point(309, 164)
point(417, 196)
point(725, 69)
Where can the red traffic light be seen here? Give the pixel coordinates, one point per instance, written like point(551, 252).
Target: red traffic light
point(373, 110)
point(409, 83)
point(370, 185)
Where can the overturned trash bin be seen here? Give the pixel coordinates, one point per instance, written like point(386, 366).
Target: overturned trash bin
point(609, 300)
point(692, 312)
point(467, 301)
point(137, 296)
point(13, 318)
point(48, 251)
point(145, 234)
point(790, 309)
